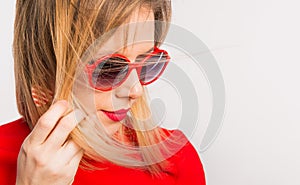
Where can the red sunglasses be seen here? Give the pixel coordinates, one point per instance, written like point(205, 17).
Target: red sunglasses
point(112, 70)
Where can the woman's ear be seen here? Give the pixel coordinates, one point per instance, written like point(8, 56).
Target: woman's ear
point(41, 96)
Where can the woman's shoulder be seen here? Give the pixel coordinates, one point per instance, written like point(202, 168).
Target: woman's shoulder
point(179, 138)
point(17, 127)
point(12, 135)
point(187, 158)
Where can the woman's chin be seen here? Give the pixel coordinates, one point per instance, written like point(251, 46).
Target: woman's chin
point(110, 126)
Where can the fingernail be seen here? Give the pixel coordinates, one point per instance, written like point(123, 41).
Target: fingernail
point(79, 115)
point(64, 102)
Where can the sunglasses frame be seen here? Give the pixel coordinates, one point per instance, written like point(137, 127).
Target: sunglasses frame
point(89, 68)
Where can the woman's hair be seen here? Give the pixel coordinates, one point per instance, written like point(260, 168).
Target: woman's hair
point(50, 36)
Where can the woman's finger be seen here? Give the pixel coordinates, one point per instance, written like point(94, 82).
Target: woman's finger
point(47, 122)
point(74, 163)
point(71, 152)
point(62, 130)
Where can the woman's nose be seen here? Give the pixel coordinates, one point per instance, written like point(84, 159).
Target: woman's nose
point(131, 88)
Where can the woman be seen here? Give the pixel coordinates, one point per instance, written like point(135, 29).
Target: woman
point(81, 69)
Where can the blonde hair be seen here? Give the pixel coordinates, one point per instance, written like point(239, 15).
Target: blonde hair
point(49, 36)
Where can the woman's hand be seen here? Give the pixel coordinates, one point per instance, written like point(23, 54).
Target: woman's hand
point(48, 155)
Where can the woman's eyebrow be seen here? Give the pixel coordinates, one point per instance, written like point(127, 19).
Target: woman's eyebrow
point(148, 51)
point(99, 55)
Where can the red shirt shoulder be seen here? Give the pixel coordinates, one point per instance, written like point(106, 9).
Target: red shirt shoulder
point(12, 136)
point(189, 166)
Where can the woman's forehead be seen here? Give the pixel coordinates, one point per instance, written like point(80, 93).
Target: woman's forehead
point(139, 29)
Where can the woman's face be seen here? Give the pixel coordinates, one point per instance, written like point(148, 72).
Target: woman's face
point(111, 106)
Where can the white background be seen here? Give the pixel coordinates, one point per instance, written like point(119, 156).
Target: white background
point(256, 44)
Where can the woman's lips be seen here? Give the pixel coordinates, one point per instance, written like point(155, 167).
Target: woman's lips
point(116, 115)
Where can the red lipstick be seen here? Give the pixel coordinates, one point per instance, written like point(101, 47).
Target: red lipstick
point(116, 115)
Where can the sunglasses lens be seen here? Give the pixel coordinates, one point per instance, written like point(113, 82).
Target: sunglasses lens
point(153, 68)
point(109, 73)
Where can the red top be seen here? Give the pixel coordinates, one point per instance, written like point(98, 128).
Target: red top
point(186, 169)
